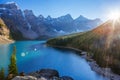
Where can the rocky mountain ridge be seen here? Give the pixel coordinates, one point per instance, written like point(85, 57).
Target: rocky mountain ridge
point(24, 25)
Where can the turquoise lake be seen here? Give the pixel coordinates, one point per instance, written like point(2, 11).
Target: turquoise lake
point(35, 55)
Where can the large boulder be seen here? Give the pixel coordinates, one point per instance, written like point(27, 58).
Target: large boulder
point(48, 73)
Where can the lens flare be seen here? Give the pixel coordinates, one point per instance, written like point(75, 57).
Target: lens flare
point(114, 15)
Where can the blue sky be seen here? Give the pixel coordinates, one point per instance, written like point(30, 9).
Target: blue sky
point(55, 8)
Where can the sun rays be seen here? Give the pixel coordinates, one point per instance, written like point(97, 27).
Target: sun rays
point(114, 15)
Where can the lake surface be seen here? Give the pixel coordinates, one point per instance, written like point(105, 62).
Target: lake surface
point(35, 55)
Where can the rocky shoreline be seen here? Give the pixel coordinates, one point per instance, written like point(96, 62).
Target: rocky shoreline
point(43, 74)
point(4, 40)
point(106, 72)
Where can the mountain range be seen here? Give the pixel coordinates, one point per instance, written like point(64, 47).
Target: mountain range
point(24, 25)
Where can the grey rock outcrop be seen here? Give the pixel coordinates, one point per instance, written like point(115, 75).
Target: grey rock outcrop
point(49, 74)
point(25, 78)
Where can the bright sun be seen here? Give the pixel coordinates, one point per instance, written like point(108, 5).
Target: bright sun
point(114, 15)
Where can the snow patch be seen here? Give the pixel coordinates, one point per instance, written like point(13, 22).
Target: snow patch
point(23, 14)
point(29, 25)
point(79, 30)
point(55, 30)
point(61, 31)
point(12, 2)
point(3, 8)
point(26, 20)
point(10, 14)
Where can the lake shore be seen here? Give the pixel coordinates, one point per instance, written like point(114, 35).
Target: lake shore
point(106, 72)
point(4, 40)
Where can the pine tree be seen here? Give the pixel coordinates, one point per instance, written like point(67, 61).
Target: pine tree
point(13, 66)
point(2, 74)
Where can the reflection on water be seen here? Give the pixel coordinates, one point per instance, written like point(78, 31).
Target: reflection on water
point(4, 56)
point(35, 55)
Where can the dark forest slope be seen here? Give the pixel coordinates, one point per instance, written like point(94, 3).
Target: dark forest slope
point(103, 43)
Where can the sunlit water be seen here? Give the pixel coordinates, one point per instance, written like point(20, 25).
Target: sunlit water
point(35, 55)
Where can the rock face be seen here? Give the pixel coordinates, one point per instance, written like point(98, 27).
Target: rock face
point(82, 23)
point(66, 24)
point(37, 25)
point(4, 33)
point(9, 6)
point(49, 74)
point(16, 22)
point(25, 25)
point(43, 74)
point(42, 78)
point(24, 78)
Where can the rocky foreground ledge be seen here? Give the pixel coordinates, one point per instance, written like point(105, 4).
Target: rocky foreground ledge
point(43, 74)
